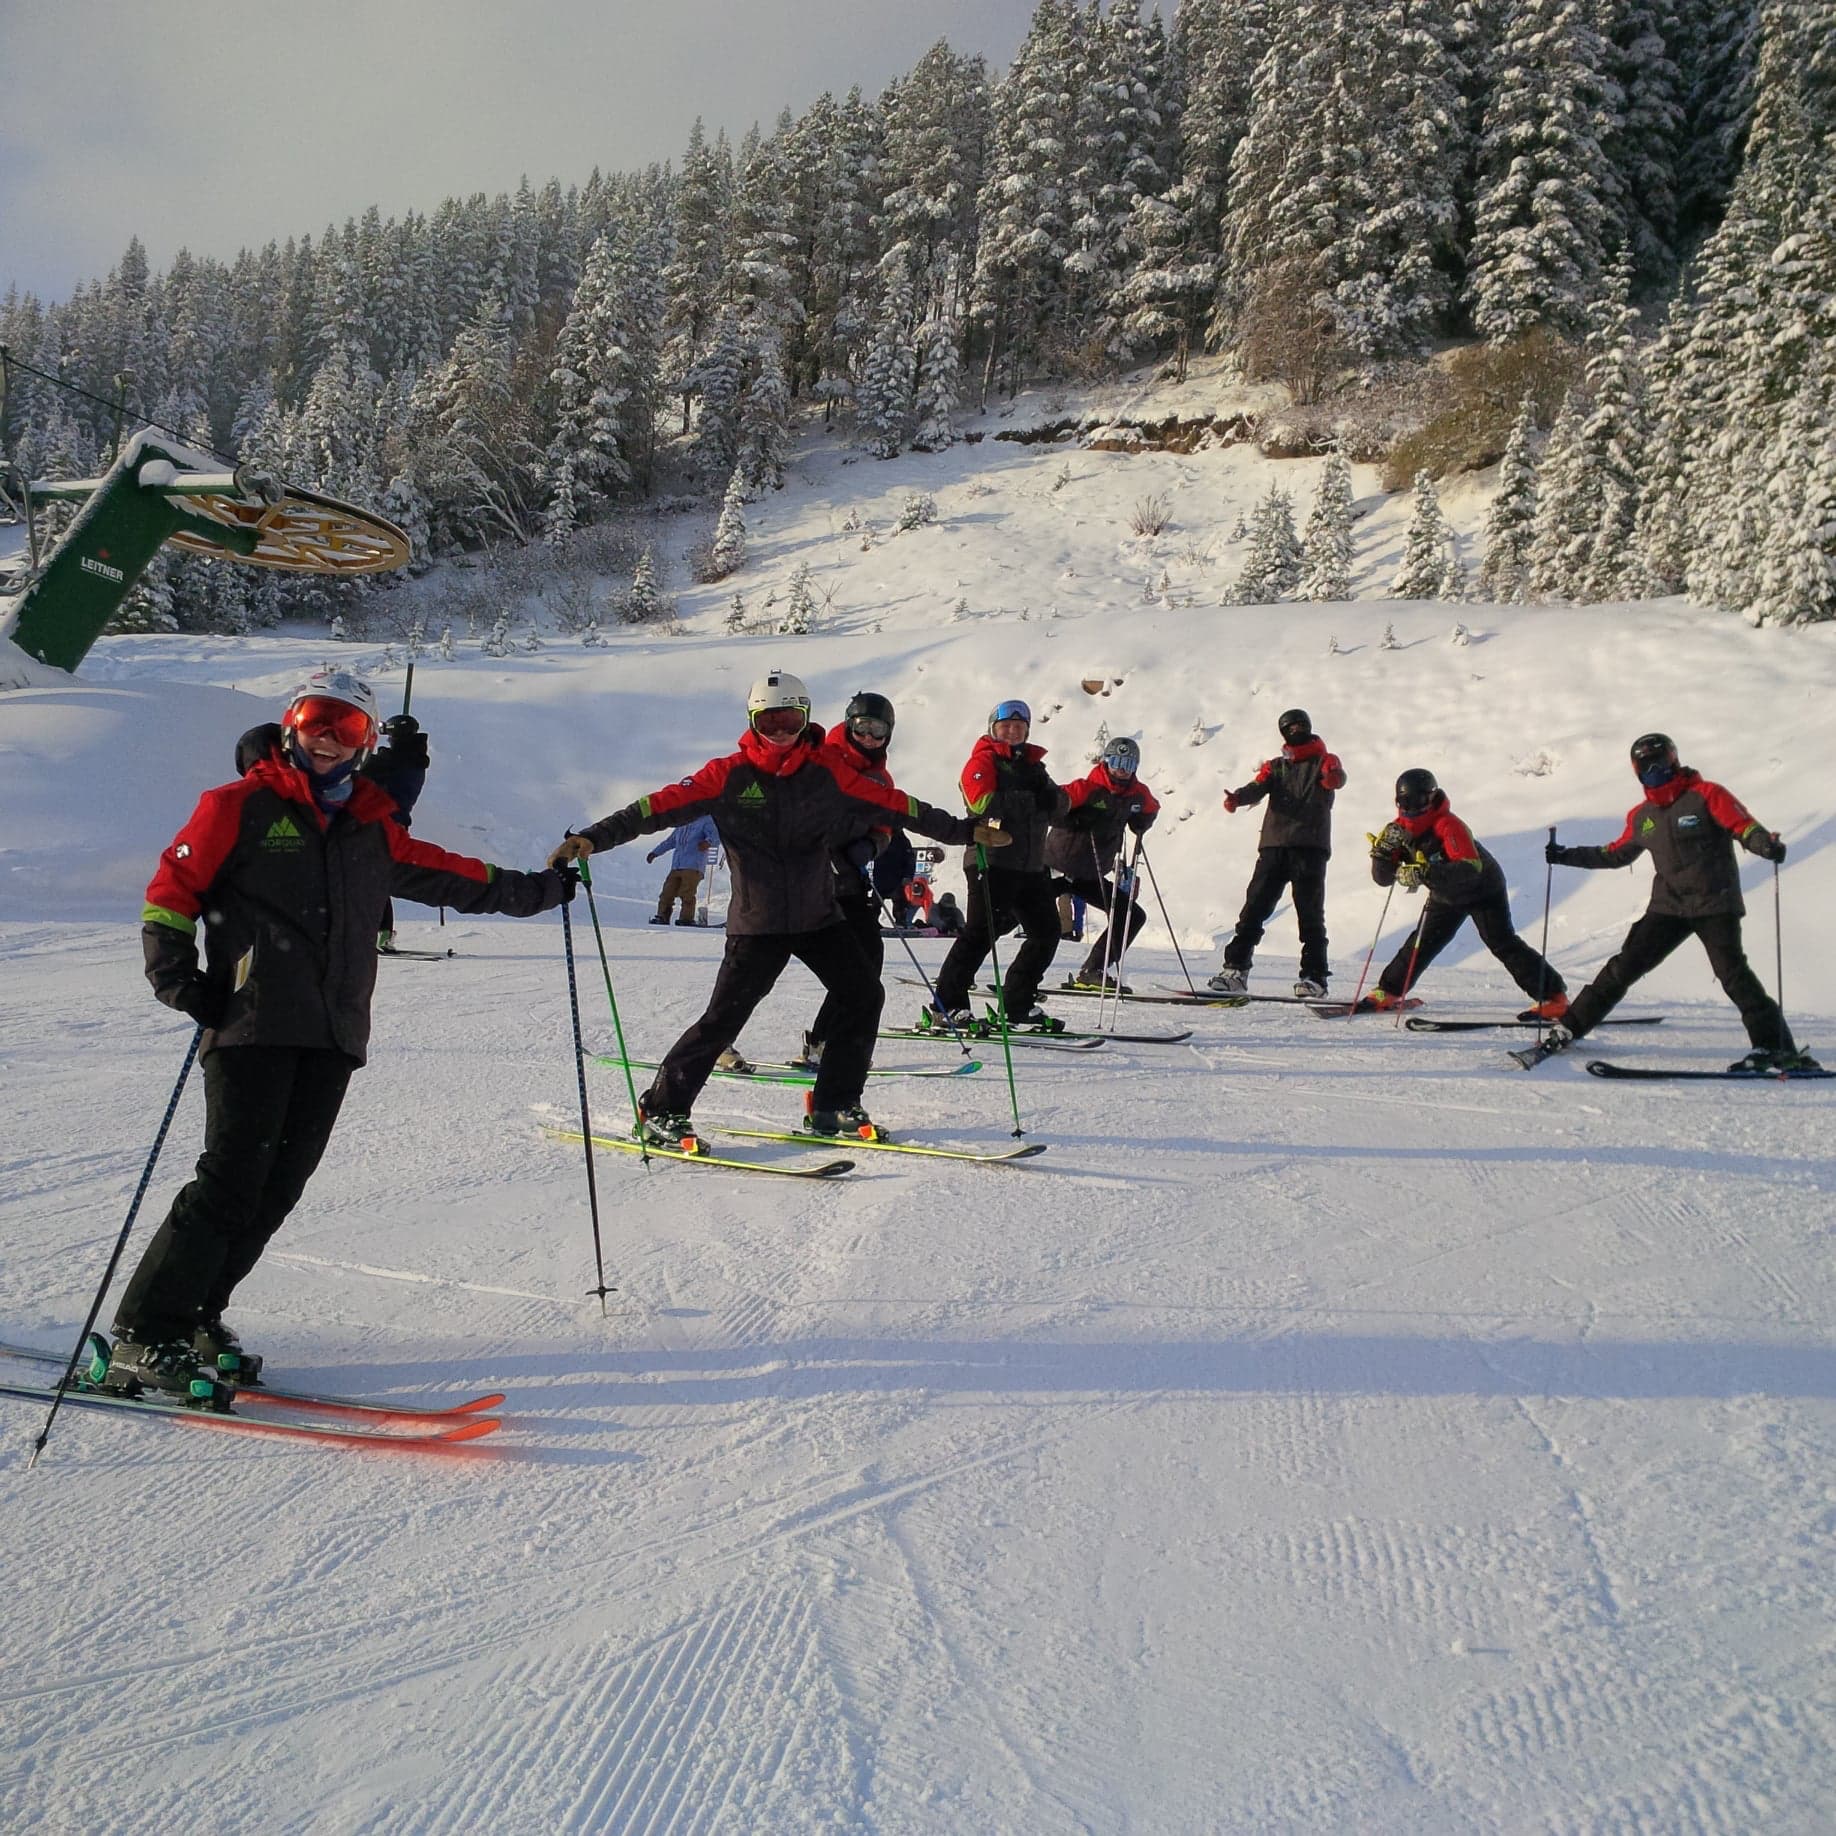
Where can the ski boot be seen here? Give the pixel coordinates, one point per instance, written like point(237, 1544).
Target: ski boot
point(685, 920)
point(1767, 1062)
point(853, 1121)
point(220, 1352)
point(810, 1057)
point(1034, 1020)
point(1378, 1001)
point(664, 1130)
point(1229, 981)
point(730, 1060)
point(1097, 982)
point(1307, 989)
point(942, 1020)
point(659, 919)
point(1557, 1039)
point(167, 1367)
point(1551, 1009)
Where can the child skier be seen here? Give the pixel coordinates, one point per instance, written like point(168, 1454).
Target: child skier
point(859, 744)
point(1429, 846)
point(688, 850)
point(1083, 850)
point(1292, 853)
point(1005, 781)
point(781, 803)
point(288, 869)
point(1688, 826)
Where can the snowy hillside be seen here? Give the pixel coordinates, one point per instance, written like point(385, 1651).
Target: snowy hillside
point(1334, 1430)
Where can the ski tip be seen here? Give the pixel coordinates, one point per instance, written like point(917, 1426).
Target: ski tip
point(462, 1432)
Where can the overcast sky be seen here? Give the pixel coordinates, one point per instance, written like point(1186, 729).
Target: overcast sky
point(216, 127)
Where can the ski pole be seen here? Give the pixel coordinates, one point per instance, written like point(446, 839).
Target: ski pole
point(1371, 953)
point(994, 956)
point(1126, 935)
point(1778, 947)
point(1542, 979)
point(931, 989)
point(108, 1274)
point(1415, 950)
point(618, 1025)
point(586, 1121)
point(1154, 881)
point(408, 687)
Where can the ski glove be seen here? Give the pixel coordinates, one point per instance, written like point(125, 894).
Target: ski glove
point(197, 1000)
point(1392, 842)
point(1230, 802)
point(859, 853)
point(988, 836)
point(1767, 847)
point(575, 848)
point(1558, 856)
point(568, 879)
point(1412, 874)
point(407, 743)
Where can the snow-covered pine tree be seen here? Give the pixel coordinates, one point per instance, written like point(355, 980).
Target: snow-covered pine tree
point(1024, 204)
point(585, 460)
point(1326, 542)
point(764, 428)
point(939, 382)
point(1563, 511)
point(728, 550)
point(1545, 187)
point(447, 650)
point(692, 280)
point(497, 644)
point(883, 393)
point(1272, 566)
point(800, 608)
point(591, 637)
point(736, 613)
point(1427, 544)
point(1796, 576)
point(1613, 440)
point(643, 601)
point(720, 380)
point(1504, 573)
point(1643, 146)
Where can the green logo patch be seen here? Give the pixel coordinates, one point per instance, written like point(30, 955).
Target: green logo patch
point(1648, 825)
point(753, 793)
point(283, 835)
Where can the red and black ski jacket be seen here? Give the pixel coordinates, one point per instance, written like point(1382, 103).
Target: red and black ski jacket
point(1083, 845)
point(780, 815)
point(1010, 785)
point(1299, 784)
point(1460, 870)
point(869, 839)
point(291, 901)
point(1688, 827)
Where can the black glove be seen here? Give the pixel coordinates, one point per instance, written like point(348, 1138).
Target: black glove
point(1767, 847)
point(197, 1000)
point(559, 884)
point(1558, 856)
point(859, 853)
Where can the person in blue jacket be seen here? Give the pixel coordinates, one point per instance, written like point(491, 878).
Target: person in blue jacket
point(689, 848)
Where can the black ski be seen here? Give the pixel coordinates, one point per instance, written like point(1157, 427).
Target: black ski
point(1416, 1024)
point(420, 956)
point(1600, 1068)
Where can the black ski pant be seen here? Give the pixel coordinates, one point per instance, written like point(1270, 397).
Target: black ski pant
point(749, 968)
point(862, 917)
point(1097, 896)
point(1023, 899)
point(1650, 941)
point(1492, 920)
point(268, 1113)
point(1301, 871)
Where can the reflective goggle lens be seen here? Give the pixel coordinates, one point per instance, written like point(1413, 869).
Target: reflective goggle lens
point(319, 714)
point(879, 731)
point(1014, 710)
point(779, 723)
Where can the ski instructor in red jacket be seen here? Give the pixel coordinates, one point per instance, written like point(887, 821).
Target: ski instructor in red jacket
point(289, 870)
point(782, 803)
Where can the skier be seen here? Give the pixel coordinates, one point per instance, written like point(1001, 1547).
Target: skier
point(688, 849)
point(1005, 781)
point(1429, 846)
point(1688, 826)
point(397, 767)
point(1084, 849)
point(288, 868)
point(1292, 853)
point(859, 745)
point(781, 803)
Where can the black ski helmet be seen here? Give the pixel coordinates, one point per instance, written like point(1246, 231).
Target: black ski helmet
point(1295, 727)
point(866, 705)
point(1415, 791)
point(1654, 758)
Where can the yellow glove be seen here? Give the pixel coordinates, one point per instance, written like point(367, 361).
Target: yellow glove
point(1413, 874)
point(575, 848)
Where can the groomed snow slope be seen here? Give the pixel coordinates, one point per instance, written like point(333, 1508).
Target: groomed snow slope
point(1334, 1430)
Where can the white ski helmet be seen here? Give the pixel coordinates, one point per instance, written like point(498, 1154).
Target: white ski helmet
point(778, 690)
point(341, 686)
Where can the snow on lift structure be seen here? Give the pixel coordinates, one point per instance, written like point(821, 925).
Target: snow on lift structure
point(161, 491)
